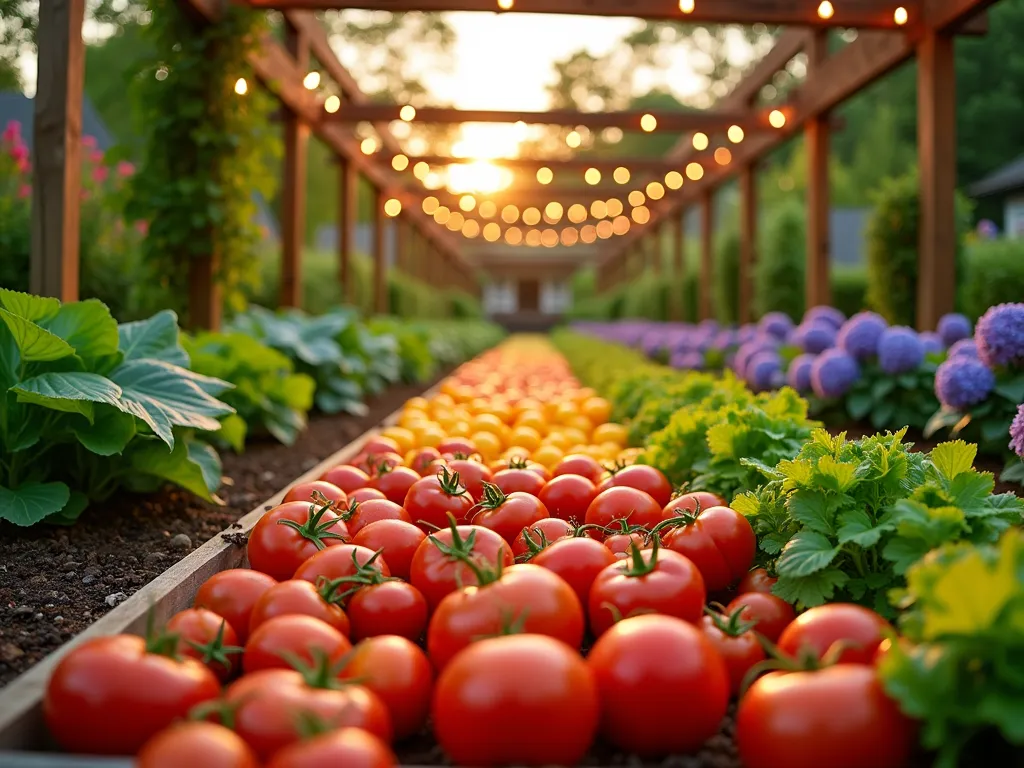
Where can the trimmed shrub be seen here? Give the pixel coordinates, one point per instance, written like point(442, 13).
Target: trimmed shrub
point(994, 274)
point(779, 274)
point(849, 289)
point(727, 272)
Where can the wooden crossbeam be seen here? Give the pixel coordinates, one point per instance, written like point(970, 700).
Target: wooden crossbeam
point(580, 163)
point(866, 14)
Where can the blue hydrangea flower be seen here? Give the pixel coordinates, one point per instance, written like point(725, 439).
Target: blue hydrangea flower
point(963, 348)
point(817, 337)
point(1000, 335)
point(961, 382)
point(764, 371)
point(899, 350)
point(953, 327)
point(931, 342)
point(777, 324)
point(827, 315)
point(1017, 432)
point(799, 374)
point(747, 351)
point(860, 334)
point(833, 373)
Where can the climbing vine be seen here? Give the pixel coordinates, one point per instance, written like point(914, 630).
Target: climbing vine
point(208, 149)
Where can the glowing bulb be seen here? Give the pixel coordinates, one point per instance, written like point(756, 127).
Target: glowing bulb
point(900, 16)
point(641, 214)
point(592, 176)
point(467, 203)
point(241, 87)
point(531, 217)
point(513, 235)
point(510, 214)
point(399, 162)
point(636, 197)
point(599, 209)
point(553, 212)
point(311, 81)
point(776, 118)
point(825, 10)
point(614, 207)
point(648, 122)
point(577, 213)
point(492, 232)
point(655, 191)
point(488, 209)
point(332, 104)
point(392, 207)
point(506, 5)
point(533, 238)
point(420, 170)
point(570, 236)
point(573, 139)
point(604, 229)
point(694, 172)
point(673, 179)
point(549, 238)
point(430, 204)
point(368, 146)
point(700, 141)
point(735, 134)
point(621, 175)
point(686, 6)
point(588, 233)
point(471, 228)
point(723, 156)
point(545, 175)
point(621, 225)
point(442, 214)
point(407, 113)
point(455, 221)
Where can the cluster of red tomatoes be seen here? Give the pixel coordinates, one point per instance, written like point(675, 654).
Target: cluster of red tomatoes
point(398, 593)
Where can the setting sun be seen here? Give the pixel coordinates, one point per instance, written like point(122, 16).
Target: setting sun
point(477, 177)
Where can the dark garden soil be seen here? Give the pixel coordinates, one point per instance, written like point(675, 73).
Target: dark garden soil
point(54, 582)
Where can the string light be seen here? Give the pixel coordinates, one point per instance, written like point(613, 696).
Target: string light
point(673, 179)
point(467, 203)
point(531, 217)
point(636, 197)
point(723, 156)
point(641, 214)
point(421, 170)
point(900, 16)
point(392, 207)
point(570, 236)
point(604, 229)
point(442, 214)
point(430, 204)
point(533, 238)
point(455, 221)
point(549, 238)
point(599, 209)
point(614, 207)
point(241, 87)
point(694, 172)
point(620, 225)
point(399, 162)
point(648, 122)
point(510, 214)
point(368, 146)
point(553, 212)
point(621, 175)
point(776, 118)
point(825, 10)
point(506, 5)
point(471, 228)
point(573, 139)
point(686, 6)
point(492, 232)
point(592, 176)
point(513, 236)
point(655, 191)
point(700, 141)
point(735, 134)
point(488, 209)
point(588, 233)
point(311, 81)
point(407, 113)
point(577, 213)
point(545, 175)
point(332, 104)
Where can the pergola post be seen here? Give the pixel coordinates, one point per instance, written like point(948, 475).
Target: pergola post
point(817, 290)
point(57, 145)
point(348, 216)
point(936, 150)
point(401, 245)
point(707, 253)
point(380, 264)
point(748, 242)
point(293, 191)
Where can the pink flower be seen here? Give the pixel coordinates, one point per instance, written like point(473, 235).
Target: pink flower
point(12, 132)
point(142, 227)
point(19, 152)
point(96, 156)
point(24, 191)
point(125, 169)
point(24, 166)
point(100, 173)
point(89, 142)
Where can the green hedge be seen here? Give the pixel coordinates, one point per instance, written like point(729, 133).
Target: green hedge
point(849, 288)
point(727, 282)
point(779, 273)
point(994, 274)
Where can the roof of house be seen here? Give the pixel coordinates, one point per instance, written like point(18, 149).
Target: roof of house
point(18, 107)
point(1006, 179)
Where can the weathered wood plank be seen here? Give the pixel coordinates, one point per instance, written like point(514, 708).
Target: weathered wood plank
point(293, 190)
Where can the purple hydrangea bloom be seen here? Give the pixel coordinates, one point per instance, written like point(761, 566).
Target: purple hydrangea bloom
point(899, 350)
point(764, 371)
point(687, 361)
point(953, 327)
point(963, 381)
point(1000, 335)
point(777, 324)
point(860, 334)
point(746, 333)
point(827, 315)
point(931, 342)
point(799, 374)
point(747, 351)
point(833, 373)
point(1017, 432)
point(817, 337)
point(963, 348)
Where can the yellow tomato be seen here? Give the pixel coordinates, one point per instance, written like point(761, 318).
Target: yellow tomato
point(585, 393)
point(525, 437)
point(460, 429)
point(580, 422)
point(548, 455)
point(529, 404)
point(417, 404)
point(488, 444)
point(479, 405)
point(442, 400)
point(610, 450)
point(533, 419)
point(565, 412)
point(430, 435)
point(502, 410)
point(405, 438)
point(557, 438)
point(409, 418)
point(596, 409)
point(575, 436)
point(488, 422)
point(629, 455)
point(614, 433)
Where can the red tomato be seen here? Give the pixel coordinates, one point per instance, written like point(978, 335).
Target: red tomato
point(342, 562)
point(521, 480)
point(578, 561)
point(658, 659)
point(432, 499)
point(399, 673)
point(362, 513)
point(109, 695)
point(623, 503)
point(525, 598)
point(395, 483)
point(719, 541)
point(484, 714)
point(568, 496)
point(348, 747)
point(207, 638)
point(371, 463)
point(290, 534)
point(270, 704)
point(473, 474)
point(299, 597)
point(541, 534)
point(757, 580)
point(621, 537)
point(313, 490)
point(346, 477)
point(206, 744)
point(279, 641)
point(232, 594)
point(792, 719)
point(770, 614)
point(422, 459)
point(397, 538)
point(508, 515)
point(819, 630)
point(655, 580)
point(736, 644)
point(380, 444)
point(439, 564)
point(457, 445)
point(388, 608)
point(693, 502)
point(580, 464)
point(642, 477)
point(365, 494)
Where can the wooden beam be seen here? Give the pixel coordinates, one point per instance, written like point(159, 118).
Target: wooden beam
point(817, 290)
point(401, 245)
point(707, 254)
point(380, 263)
point(953, 15)
point(293, 190)
point(348, 220)
point(56, 150)
point(748, 244)
point(936, 148)
point(862, 14)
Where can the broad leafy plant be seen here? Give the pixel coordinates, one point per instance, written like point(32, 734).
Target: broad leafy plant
point(88, 406)
point(884, 400)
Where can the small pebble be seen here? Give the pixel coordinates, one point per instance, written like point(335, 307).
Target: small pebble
point(89, 579)
point(153, 558)
point(267, 476)
point(181, 541)
point(58, 619)
point(23, 610)
point(116, 598)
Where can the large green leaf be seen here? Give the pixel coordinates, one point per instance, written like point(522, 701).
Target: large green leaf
point(32, 503)
point(73, 392)
point(87, 326)
point(153, 339)
point(35, 343)
point(165, 396)
point(10, 359)
point(174, 465)
point(108, 434)
point(27, 305)
point(205, 457)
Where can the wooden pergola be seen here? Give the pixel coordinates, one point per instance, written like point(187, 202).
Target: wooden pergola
point(715, 145)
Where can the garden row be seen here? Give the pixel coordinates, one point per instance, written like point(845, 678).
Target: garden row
point(496, 578)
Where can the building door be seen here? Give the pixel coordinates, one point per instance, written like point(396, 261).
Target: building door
point(529, 295)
